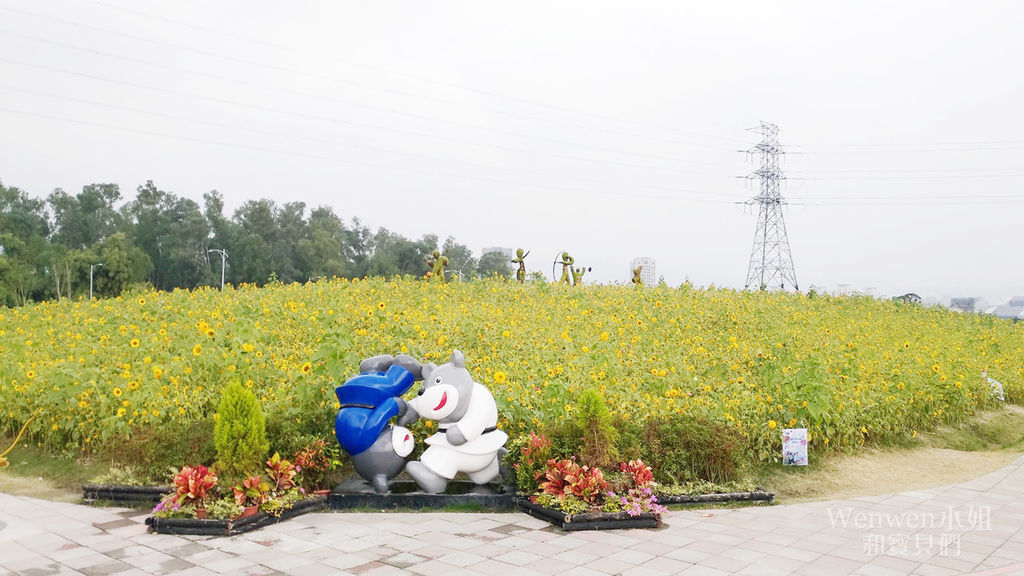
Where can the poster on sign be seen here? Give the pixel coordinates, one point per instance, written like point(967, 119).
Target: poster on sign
point(794, 447)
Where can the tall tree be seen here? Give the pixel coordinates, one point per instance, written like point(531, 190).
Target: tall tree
point(24, 228)
point(460, 258)
point(256, 234)
point(173, 232)
point(494, 264)
point(322, 249)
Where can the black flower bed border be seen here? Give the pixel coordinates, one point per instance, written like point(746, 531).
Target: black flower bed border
point(123, 494)
point(196, 527)
point(589, 520)
point(405, 494)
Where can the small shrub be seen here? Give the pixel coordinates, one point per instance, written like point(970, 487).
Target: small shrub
point(687, 448)
point(153, 450)
point(240, 434)
point(528, 456)
point(598, 435)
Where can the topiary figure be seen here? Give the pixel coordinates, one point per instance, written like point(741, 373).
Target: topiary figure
point(637, 280)
point(240, 434)
point(567, 262)
point(520, 259)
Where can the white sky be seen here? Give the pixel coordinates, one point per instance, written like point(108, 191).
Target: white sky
point(606, 129)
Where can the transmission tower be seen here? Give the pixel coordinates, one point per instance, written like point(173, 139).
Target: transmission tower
point(771, 264)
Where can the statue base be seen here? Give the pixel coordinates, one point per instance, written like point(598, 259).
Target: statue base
point(356, 493)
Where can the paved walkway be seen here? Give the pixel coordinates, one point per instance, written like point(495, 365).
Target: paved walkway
point(975, 528)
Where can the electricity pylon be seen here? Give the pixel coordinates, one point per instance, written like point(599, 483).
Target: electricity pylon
point(771, 264)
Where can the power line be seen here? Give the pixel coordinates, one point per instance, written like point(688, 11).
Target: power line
point(319, 117)
point(420, 78)
point(257, 63)
point(918, 177)
point(338, 100)
point(337, 143)
point(348, 161)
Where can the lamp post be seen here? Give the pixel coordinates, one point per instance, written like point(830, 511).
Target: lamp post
point(92, 267)
point(223, 258)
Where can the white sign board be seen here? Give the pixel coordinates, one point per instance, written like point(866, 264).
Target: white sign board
point(794, 447)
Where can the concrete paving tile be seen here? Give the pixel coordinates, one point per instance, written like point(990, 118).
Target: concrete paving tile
point(543, 565)
point(518, 557)
point(927, 570)
point(631, 556)
point(666, 565)
point(584, 571)
point(831, 565)
point(608, 565)
point(690, 555)
point(433, 568)
point(698, 570)
point(576, 557)
point(196, 571)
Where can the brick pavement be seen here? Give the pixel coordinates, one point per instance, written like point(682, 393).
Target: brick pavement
point(971, 528)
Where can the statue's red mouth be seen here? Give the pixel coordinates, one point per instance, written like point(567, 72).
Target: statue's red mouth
point(444, 400)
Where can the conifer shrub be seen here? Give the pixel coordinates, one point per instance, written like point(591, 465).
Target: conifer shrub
point(240, 434)
point(596, 426)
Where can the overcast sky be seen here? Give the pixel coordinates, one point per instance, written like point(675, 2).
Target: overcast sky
point(608, 129)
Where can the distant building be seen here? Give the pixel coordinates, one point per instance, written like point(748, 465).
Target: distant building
point(509, 252)
point(1012, 310)
point(647, 274)
point(964, 303)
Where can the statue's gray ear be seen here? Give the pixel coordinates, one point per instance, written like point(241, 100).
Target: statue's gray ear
point(458, 360)
point(428, 369)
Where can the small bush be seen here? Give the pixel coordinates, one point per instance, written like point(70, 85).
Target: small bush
point(684, 449)
point(153, 451)
point(240, 435)
point(598, 435)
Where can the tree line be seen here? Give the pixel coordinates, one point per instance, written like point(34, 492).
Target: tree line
point(48, 246)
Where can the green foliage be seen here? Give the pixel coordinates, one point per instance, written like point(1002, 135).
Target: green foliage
point(223, 509)
point(598, 435)
point(683, 449)
point(121, 476)
point(153, 450)
point(240, 434)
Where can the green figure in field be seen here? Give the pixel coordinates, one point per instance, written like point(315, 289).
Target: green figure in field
point(431, 262)
point(637, 281)
point(577, 275)
point(567, 262)
point(437, 264)
point(519, 259)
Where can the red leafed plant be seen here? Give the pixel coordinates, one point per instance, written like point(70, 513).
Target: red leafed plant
point(192, 485)
point(589, 485)
point(312, 464)
point(281, 474)
point(253, 491)
point(567, 478)
point(640, 472)
point(558, 478)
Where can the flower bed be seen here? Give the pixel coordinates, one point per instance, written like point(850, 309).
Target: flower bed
point(590, 520)
point(209, 527)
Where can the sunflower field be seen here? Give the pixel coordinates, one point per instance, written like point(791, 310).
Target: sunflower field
point(854, 371)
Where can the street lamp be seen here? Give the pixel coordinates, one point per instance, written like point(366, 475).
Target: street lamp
point(223, 258)
point(91, 268)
